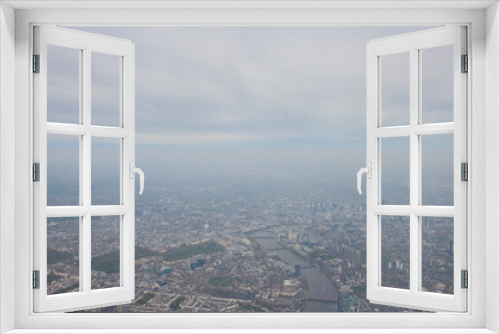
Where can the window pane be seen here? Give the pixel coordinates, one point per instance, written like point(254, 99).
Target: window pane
point(63, 84)
point(395, 251)
point(437, 254)
point(63, 170)
point(106, 171)
point(437, 84)
point(105, 252)
point(437, 169)
point(395, 89)
point(395, 168)
point(105, 89)
point(63, 255)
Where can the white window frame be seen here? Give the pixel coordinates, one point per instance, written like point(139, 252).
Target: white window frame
point(482, 19)
point(413, 44)
point(86, 44)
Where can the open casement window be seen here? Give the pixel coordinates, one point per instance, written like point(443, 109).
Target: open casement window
point(67, 227)
point(417, 115)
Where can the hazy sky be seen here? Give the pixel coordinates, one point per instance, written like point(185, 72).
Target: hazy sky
point(269, 98)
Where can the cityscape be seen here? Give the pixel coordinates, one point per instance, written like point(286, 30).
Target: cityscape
point(268, 245)
point(250, 139)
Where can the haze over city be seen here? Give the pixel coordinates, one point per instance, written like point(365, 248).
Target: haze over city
point(250, 138)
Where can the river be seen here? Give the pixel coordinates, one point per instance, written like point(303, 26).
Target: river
point(322, 294)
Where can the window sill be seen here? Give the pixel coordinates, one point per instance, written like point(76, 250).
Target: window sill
point(252, 331)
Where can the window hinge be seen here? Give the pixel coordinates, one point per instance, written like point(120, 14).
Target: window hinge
point(36, 279)
point(36, 63)
point(36, 172)
point(465, 64)
point(465, 279)
point(464, 171)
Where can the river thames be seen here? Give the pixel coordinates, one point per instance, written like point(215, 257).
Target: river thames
point(322, 295)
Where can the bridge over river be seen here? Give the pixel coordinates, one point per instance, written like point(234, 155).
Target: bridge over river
point(322, 294)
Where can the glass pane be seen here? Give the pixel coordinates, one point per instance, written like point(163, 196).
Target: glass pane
point(63, 170)
point(105, 89)
point(105, 171)
point(63, 254)
point(437, 254)
point(437, 169)
point(63, 85)
point(437, 84)
point(105, 252)
point(395, 89)
point(395, 251)
point(395, 168)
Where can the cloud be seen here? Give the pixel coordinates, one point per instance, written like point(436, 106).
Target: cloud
point(248, 83)
point(194, 138)
point(261, 91)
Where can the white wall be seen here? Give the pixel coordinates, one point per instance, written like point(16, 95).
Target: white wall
point(23, 268)
point(492, 163)
point(7, 166)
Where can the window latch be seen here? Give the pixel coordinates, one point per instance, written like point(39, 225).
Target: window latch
point(368, 171)
point(132, 171)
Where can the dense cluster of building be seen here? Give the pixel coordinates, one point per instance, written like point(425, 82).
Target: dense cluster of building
point(279, 247)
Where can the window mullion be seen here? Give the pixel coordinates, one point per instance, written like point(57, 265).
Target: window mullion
point(86, 166)
point(86, 250)
point(81, 231)
point(127, 185)
point(86, 138)
point(414, 170)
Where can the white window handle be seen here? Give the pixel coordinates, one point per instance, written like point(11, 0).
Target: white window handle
point(368, 171)
point(139, 171)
